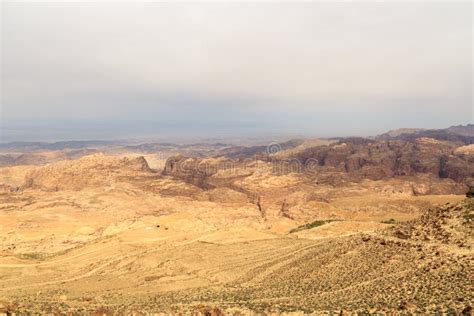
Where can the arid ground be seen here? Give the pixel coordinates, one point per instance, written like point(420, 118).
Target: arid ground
point(314, 226)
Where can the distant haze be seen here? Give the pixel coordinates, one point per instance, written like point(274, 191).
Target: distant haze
point(128, 69)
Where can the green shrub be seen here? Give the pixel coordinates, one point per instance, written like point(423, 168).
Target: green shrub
point(390, 221)
point(312, 225)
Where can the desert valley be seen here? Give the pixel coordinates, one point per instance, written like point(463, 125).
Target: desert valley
point(335, 225)
point(211, 158)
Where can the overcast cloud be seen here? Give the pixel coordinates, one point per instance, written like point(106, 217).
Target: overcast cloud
point(313, 68)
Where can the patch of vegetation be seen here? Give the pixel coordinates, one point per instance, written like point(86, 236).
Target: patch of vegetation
point(40, 255)
point(312, 225)
point(31, 256)
point(389, 221)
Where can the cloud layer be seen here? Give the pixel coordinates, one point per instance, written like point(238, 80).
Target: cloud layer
point(309, 67)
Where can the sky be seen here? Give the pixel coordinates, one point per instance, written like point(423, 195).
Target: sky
point(96, 69)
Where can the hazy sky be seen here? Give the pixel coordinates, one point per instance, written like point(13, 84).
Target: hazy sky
point(312, 68)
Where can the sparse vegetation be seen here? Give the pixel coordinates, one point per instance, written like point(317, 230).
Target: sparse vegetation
point(31, 256)
point(314, 224)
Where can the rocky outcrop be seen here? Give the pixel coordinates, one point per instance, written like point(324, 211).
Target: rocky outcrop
point(205, 173)
point(136, 164)
point(189, 169)
point(379, 159)
point(89, 171)
point(449, 224)
point(441, 167)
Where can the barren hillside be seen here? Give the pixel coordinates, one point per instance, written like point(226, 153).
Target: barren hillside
point(212, 233)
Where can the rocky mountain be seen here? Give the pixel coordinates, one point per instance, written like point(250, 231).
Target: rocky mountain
point(90, 171)
point(400, 131)
point(378, 159)
point(348, 160)
point(460, 133)
point(239, 152)
point(465, 130)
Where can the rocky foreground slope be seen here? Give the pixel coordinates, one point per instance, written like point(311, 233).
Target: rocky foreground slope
point(404, 268)
point(407, 268)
